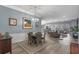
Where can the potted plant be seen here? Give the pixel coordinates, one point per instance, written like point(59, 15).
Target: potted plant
point(75, 32)
point(6, 35)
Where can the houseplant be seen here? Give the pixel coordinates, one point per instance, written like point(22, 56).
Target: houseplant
point(6, 35)
point(75, 31)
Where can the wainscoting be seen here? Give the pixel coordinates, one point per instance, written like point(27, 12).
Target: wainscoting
point(18, 37)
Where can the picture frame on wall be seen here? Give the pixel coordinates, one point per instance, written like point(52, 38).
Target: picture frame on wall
point(12, 21)
point(26, 23)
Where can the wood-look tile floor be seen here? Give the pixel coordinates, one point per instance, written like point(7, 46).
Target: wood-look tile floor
point(53, 46)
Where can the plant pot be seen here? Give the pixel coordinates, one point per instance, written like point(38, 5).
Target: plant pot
point(75, 35)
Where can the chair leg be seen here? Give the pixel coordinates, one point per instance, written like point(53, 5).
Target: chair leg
point(44, 40)
point(41, 42)
point(28, 42)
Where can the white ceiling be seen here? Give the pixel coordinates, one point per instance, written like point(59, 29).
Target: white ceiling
point(51, 12)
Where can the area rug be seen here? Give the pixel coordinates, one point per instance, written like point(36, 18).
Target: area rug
point(74, 48)
point(31, 49)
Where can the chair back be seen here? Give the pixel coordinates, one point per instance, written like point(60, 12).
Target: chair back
point(38, 35)
point(43, 35)
point(29, 35)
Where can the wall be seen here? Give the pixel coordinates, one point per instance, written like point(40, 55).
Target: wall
point(6, 13)
point(17, 32)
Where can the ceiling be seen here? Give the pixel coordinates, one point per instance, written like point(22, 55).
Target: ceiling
point(51, 12)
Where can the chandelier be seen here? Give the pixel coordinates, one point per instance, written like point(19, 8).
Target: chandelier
point(36, 19)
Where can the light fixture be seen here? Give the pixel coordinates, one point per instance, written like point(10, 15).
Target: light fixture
point(35, 14)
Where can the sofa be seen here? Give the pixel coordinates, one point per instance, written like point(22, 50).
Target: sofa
point(54, 34)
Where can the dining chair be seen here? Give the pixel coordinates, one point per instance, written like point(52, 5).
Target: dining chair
point(30, 40)
point(39, 39)
point(43, 37)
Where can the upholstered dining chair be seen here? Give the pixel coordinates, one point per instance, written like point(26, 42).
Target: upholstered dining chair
point(43, 37)
point(30, 40)
point(39, 39)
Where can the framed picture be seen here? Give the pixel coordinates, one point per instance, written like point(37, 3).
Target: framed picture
point(12, 22)
point(26, 23)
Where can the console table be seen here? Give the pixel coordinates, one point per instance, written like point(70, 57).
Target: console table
point(5, 45)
